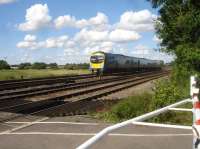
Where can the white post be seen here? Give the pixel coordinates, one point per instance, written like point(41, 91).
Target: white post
point(194, 92)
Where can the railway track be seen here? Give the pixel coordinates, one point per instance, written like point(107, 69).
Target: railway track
point(77, 100)
point(42, 78)
point(24, 83)
point(4, 85)
point(11, 95)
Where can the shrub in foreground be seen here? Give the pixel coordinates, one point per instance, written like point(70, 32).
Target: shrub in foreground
point(165, 92)
point(128, 108)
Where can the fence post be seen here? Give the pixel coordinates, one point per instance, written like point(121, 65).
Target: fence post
point(194, 92)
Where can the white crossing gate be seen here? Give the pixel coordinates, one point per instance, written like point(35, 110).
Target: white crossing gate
point(194, 92)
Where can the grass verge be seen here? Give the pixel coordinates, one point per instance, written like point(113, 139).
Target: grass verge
point(37, 73)
point(140, 104)
point(127, 108)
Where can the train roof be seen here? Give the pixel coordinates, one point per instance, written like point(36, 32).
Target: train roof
point(123, 55)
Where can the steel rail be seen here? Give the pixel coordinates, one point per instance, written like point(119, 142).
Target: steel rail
point(49, 80)
point(56, 77)
point(17, 85)
point(56, 108)
point(85, 101)
point(4, 82)
point(77, 93)
point(56, 88)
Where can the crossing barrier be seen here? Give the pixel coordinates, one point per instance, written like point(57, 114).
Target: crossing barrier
point(194, 92)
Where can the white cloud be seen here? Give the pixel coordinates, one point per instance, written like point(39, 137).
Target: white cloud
point(92, 40)
point(81, 23)
point(79, 51)
point(120, 35)
point(87, 41)
point(139, 21)
point(71, 51)
point(63, 21)
point(149, 53)
point(95, 34)
point(37, 16)
point(102, 46)
point(27, 45)
point(6, 1)
point(58, 42)
point(107, 44)
point(100, 21)
point(86, 36)
point(156, 39)
point(52, 42)
point(140, 50)
point(30, 37)
point(91, 35)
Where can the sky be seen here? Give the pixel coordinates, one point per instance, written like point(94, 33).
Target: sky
point(68, 31)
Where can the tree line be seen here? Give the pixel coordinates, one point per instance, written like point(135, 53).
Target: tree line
point(42, 65)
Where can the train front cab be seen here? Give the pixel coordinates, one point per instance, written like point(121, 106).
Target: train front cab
point(97, 61)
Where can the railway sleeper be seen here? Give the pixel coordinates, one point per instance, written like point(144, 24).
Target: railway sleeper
point(69, 107)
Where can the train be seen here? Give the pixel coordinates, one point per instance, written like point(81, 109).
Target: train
point(102, 62)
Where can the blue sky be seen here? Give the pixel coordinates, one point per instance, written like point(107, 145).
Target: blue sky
point(67, 31)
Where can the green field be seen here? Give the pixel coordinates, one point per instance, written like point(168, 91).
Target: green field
point(32, 73)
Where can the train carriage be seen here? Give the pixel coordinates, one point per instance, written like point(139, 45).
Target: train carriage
point(108, 62)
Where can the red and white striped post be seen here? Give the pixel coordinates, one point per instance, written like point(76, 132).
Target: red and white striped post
point(194, 92)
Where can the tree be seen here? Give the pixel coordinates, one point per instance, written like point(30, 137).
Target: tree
point(53, 65)
point(24, 65)
point(39, 65)
point(4, 65)
point(76, 66)
point(179, 28)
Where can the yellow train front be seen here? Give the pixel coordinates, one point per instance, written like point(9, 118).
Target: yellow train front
point(101, 62)
point(97, 61)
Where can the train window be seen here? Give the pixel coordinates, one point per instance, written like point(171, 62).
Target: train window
point(132, 62)
point(112, 57)
point(127, 62)
point(96, 59)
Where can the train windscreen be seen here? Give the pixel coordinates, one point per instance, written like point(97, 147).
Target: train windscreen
point(96, 59)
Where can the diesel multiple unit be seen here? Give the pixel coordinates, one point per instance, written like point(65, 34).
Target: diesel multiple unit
point(108, 62)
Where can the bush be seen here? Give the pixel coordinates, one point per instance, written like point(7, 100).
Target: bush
point(128, 108)
point(39, 65)
point(166, 92)
point(77, 66)
point(53, 65)
point(24, 66)
point(4, 65)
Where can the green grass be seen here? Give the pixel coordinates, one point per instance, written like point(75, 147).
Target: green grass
point(140, 104)
point(165, 92)
point(33, 73)
point(127, 108)
point(173, 118)
point(187, 105)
